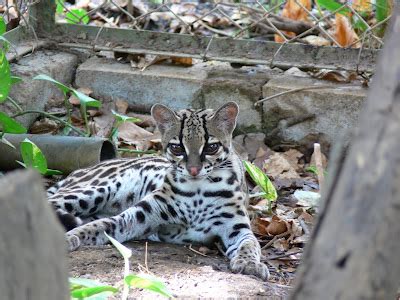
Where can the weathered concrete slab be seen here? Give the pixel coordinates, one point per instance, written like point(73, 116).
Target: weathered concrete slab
point(310, 115)
point(202, 85)
point(32, 248)
point(35, 94)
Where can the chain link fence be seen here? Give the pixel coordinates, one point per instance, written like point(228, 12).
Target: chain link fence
point(350, 24)
point(283, 21)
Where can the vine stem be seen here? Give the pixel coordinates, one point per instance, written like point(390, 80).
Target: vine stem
point(80, 132)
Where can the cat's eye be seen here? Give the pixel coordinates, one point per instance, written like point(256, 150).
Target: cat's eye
point(176, 149)
point(211, 148)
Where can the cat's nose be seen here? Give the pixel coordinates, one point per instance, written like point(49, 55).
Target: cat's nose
point(194, 171)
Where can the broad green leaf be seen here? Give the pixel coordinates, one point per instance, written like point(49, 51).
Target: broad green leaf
point(123, 118)
point(125, 252)
point(61, 86)
point(5, 77)
point(332, 5)
point(15, 80)
point(60, 7)
point(33, 157)
point(261, 180)
point(84, 282)
point(151, 283)
point(382, 9)
point(76, 16)
point(86, 100)
point(9, 125)
point(90, 291)
point(2, 25)
point(50, 172)
point(359, 24)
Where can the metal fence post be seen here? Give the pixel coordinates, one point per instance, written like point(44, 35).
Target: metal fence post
point(42, 17)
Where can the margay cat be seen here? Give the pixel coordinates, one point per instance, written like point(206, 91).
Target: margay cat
point(196, 194)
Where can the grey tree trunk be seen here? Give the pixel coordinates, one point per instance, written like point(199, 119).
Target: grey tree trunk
point(354, 251)
point(32, 246)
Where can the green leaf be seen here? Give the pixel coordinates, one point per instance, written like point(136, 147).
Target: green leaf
point(60, 7)
point(86, 100)
point(50, 172)
point(261, 180)
point(151, 283)
point(76, 16)
point(9, 125)
point(382, 9)
point(90, 291)
point(2, 25)
point(332, 5)
point(77, 284)
point(125, 252)
point(15, 80)
point(33, 157)
point(5, 77)
point(61, 86)
point(122, 118)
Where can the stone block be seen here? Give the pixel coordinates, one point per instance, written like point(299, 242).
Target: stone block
point(202, 85)
point(35, 94)
point(308, 116)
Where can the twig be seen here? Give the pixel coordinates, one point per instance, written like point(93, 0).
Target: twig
point(145, 257)
point(318, 164)
point(275, 238)
point(195, 251)
point(51, 117)
point(281, 256)
point(301, 89)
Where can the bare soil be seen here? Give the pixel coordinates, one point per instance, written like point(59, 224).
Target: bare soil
point(186, 273)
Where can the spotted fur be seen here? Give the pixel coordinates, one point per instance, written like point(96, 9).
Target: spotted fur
point(196, 193)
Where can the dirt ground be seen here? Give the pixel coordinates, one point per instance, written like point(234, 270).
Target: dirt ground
point(186, 273)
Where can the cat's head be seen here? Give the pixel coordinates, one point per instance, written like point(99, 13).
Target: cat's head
point(196, 140)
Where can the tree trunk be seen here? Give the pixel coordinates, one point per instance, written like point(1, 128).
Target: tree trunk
point(32, 246)
point(353, 253)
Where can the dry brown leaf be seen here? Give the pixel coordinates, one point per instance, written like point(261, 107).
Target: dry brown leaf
point(44, 125)
point(281, 244)
point(279, 166)
point(271, 226)
point(294, 11)
point(335, 75)
point(345, 35)
point(184, 61)
point(121, 106)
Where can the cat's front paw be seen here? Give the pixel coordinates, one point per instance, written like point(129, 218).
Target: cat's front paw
point(249, 267)
point(73, 242)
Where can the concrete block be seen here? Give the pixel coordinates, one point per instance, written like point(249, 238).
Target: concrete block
point(35, 94)
point(202, 85)
point(310, 115)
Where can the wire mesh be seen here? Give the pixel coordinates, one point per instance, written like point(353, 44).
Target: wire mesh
point(348, 24)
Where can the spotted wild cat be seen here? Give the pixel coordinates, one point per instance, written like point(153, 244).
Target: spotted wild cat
point(196, 193)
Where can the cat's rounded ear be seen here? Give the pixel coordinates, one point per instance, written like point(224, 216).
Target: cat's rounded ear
point(165, 118)
point(225, 117)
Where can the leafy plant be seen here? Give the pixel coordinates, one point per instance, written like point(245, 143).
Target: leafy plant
point(60, 6)
point(84, 100)
point(263, 182)
point(332, 5)
point(148, 282)
point(76, 16)
point(313, 169)
point(9, 125)
point(142, 281)
point(119, 119)
point(33, 157)
point(82, 288)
